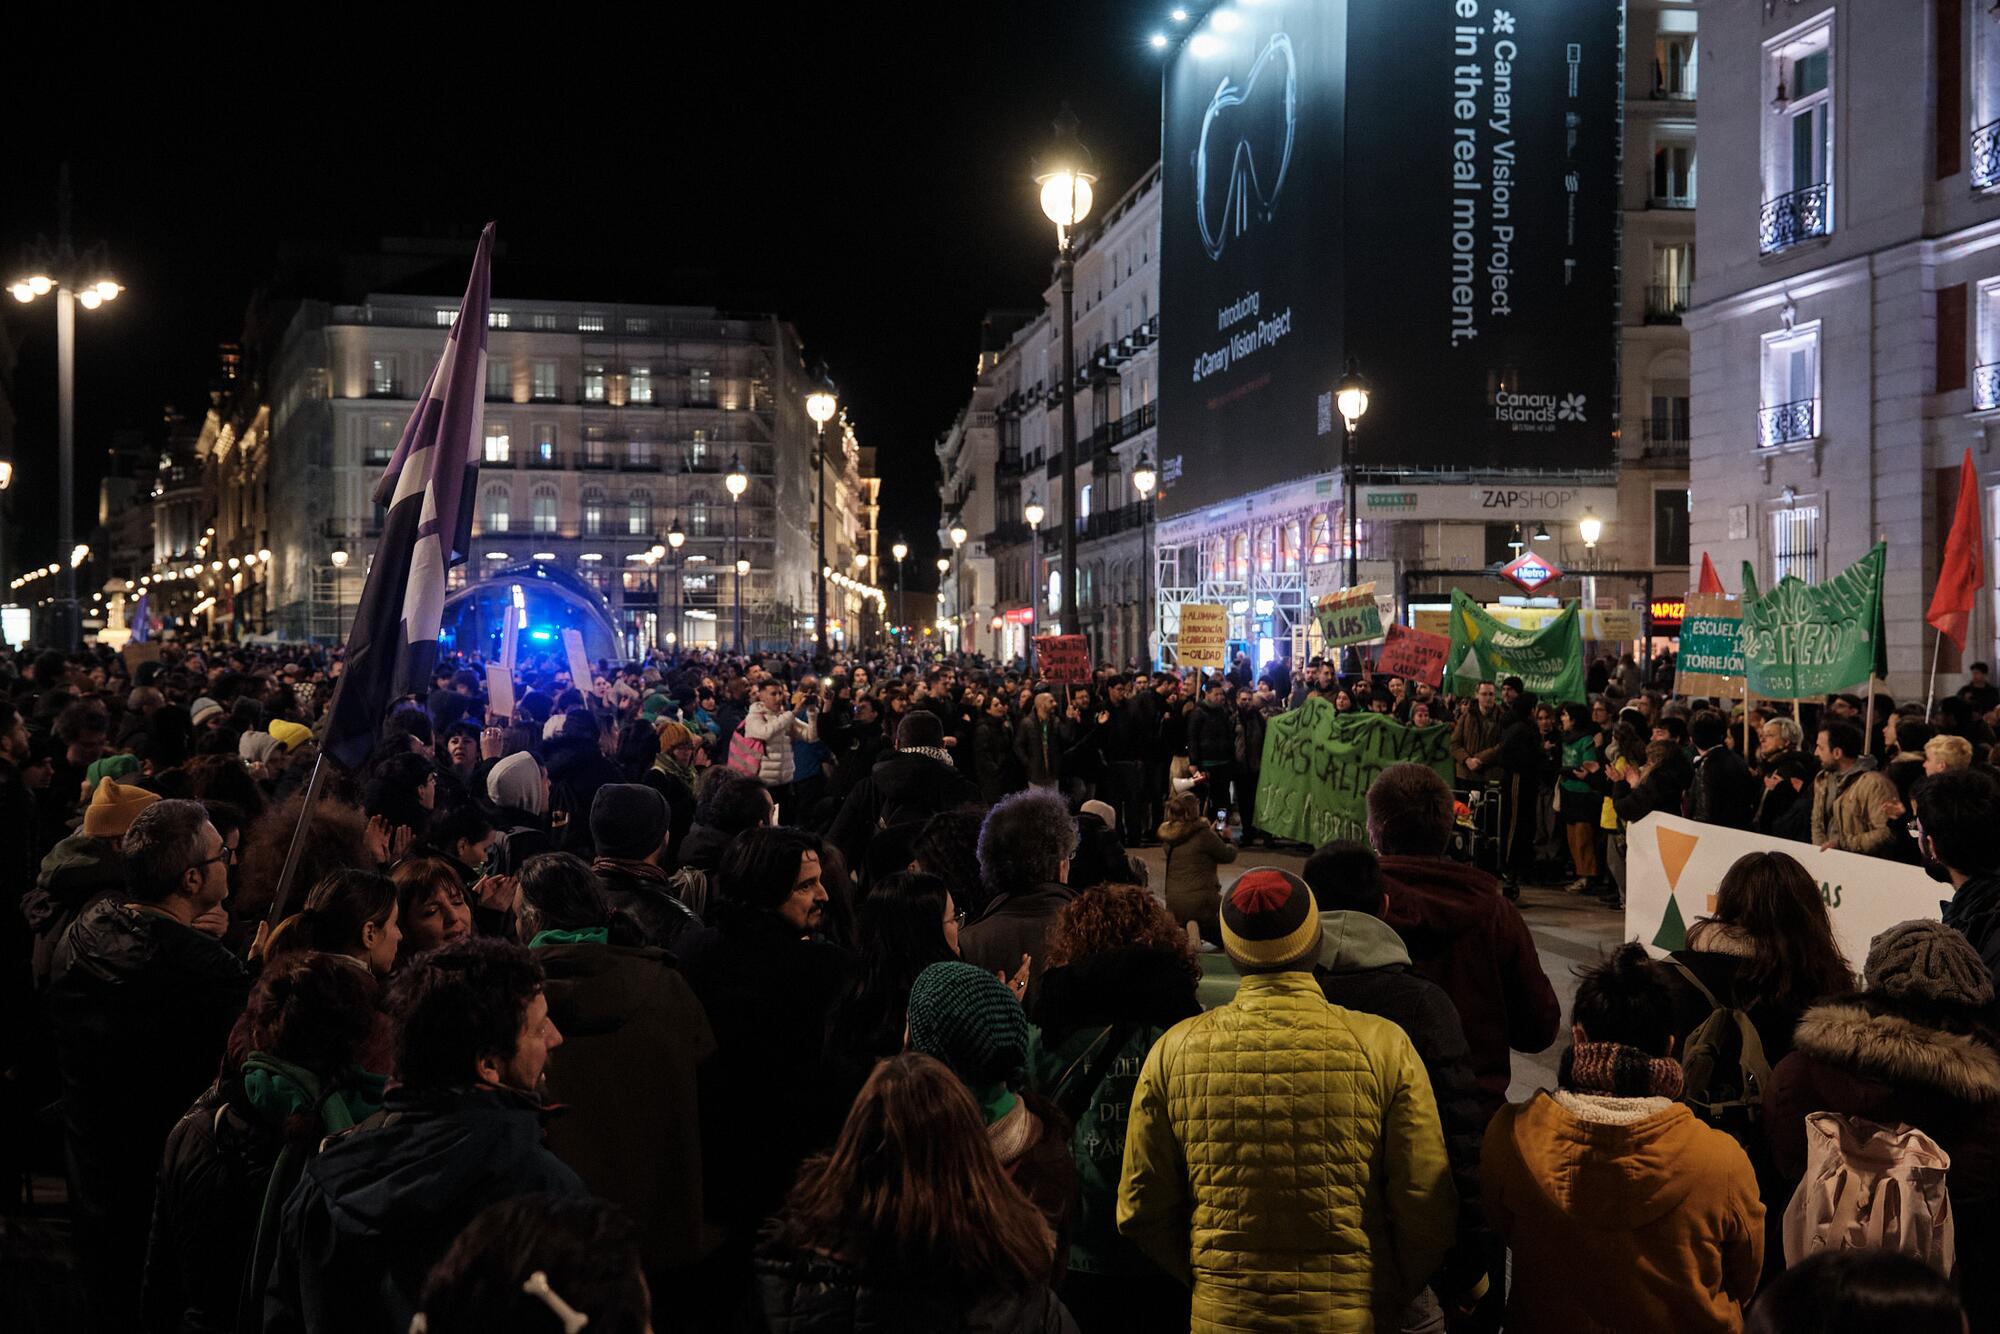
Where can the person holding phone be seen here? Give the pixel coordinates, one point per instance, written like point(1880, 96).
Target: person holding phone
point(1194, 850)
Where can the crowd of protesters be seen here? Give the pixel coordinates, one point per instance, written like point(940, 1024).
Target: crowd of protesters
point(765, 994)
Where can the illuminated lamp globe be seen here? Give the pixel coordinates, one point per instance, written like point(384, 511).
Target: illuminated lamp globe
point(1351, 395)
point(108, 290)
point(339, 559)
point(264, 554)
point(957, 532)
point(742, 565)
point(1066, 197)
point(675, 537)
point(22, 292)
point(900, 551)
point(1144, 477)
point(821, 405)
point(41, 284)
point(6, 474)
point(736, 481)
point(944, 567)
point(89, 299)
point(1590, 528)
point(1034, 513)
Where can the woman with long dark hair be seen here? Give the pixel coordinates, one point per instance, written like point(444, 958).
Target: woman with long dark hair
point(1581, 794)
point(909, 1223)
point(907, 923)
point(350, 914)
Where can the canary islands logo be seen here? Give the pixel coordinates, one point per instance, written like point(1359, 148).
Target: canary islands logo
point(1570, 409)
point(1246, 146)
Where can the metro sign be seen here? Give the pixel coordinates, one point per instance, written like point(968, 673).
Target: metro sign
point(1529, 572)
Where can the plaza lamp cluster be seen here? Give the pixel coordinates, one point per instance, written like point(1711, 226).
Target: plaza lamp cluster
point(868, 591)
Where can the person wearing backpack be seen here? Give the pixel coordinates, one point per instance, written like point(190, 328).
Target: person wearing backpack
point(1120, 974)
point(1765, 955)
point(1911, 1049)
point(1623, 1210)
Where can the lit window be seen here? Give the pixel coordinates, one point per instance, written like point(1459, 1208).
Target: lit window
point(382, 377)
point(639, 514)
point(545, 442)
point(1083, 504)
point(697, 515)
point(593, 512)
point(542, 509)
point(447, 318)
point(593, 445)
point(590, 324)
point(1789, 409)
point(641, 390)
point(593, 384)
point(638, 453)
point(496, 509)
point(499, 380)
point(498, 319)
point(1319, 539)
point(542, 321)
point(545, 387)
point(698, 448)
point(1673, 170)
point(1795, 543)
point(1798, 140)
point(701, 388)
point(498, 446)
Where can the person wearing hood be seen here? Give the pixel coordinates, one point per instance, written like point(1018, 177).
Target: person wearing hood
point(1460, 931)
point(1193, 850)
point(463, 1129)
point(232, 1160)
point(628, 822)
point(80, 869)
point(634, 1037)
point(907, 786)
point(1622, 1209)
point(1120, 975)
point(518, 788)
point(1914, 1048)
point(140, 1004)
point(1283, 1156)
point(1363, 966)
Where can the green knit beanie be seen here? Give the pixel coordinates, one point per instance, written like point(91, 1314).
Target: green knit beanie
point(966, 1017)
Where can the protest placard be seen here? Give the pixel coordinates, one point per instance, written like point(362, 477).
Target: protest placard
point(1349, 617)
point(1711, 647)
point(1413, 655)
point(579, 662)
point(1204, 635)
point(1483, 648)
point(499, 691)
point(1801, 640)
point(1319, 762)
point(1674, 866)
point(1063, 659)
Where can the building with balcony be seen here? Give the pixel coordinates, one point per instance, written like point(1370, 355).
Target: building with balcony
point(1011, 432)
point(1846, 320)
point(605, 426)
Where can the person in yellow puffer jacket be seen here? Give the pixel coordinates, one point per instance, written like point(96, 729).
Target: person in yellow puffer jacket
point(1283, 1155)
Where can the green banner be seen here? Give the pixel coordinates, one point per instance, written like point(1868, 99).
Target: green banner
point(1549, 661)
point(1318, 764)
point(1804, 640)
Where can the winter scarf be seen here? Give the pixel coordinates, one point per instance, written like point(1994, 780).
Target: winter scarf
point(589, 935)
point(1614, 1069)
point(278, 1089)
point(673, 768)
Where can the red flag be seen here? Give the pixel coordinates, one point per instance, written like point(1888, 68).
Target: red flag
point(1958, 582)
point(1711, 582)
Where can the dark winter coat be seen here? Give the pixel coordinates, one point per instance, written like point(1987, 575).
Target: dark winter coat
point(1140, 993)
point(1663, 789)
point(78, 871)
point(1193, 887)
point(577, 768)
point(776, 1095)
point(383, 1202)
point(995, 766)
point(139, 1008)
point(1364, 966)
point(680, 808)
point(801, 1293)
point(1784, 813)
point(1723, 791)
point(1012, 925)
point(1464, 936)
point(634, 1037)
point(1973, 911)
point(647, 900)
point(904, 788)
point(1040, 746)
point(1863, 1056)
point(1211, 735)
point(1250, 739)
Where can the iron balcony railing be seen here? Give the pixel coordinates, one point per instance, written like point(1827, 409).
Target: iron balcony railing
point(1795, 217)
point(1671, 200)
point(1986, 156)
point(1986, 386)
point(1788, 423)
point(1663, 438)
point(1666, 304)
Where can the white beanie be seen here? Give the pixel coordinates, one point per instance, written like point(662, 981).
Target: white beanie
point(517, 781)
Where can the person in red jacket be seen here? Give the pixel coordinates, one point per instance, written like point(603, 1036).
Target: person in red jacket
point(1460, 932)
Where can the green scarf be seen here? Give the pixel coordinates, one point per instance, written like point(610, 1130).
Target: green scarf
point(995, 1101)
point(672, 768)
point(590, 935)
point(278, 1089)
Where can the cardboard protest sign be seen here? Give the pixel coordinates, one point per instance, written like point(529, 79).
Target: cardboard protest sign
point(1319, 762)
point(579, 662)
point(1711, 647)
point(1204, 635)
point(1349, 617)
point(1413, 655)
point(499, 691)
point(1063, 659)
point(1801, 640)
point(1674, 866)
point(1484, 648)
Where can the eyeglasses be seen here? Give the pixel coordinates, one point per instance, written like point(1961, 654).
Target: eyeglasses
point(957, 918)
point(227, 857)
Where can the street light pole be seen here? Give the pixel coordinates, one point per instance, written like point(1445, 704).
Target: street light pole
point(737, 483)
point(675, 537)
point(820, 406)
point(1034, 514)
point(1066, 179)
point(1351, 397)
point(1144, 479)
point(957, 534)
point(899, 551)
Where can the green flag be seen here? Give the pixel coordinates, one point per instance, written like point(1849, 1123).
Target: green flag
point(1549, 661)
point(1319, 762)
point(1801, 640)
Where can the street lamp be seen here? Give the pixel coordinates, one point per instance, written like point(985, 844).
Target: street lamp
point(900, 551)
point(737, 484)
point(1034, 514)
point(1144, 479)
point(1065, 175)
point(820, 406)
point(957, 533)
point(675, 539)
point(1351, 397)
point(75, 279)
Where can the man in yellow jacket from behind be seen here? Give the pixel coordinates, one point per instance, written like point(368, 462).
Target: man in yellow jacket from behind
point(1283, 1154)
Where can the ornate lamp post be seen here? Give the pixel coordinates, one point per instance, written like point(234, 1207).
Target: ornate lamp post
point(737, 484)
point(1351, 397)
point(820, 406)
point(1065, 175)
point(1144, 480)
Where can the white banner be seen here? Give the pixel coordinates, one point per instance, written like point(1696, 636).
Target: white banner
point(1674, 867)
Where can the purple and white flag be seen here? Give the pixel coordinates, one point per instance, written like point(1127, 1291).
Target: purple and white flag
point(429, 489)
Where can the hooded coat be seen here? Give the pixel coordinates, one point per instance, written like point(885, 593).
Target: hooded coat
point(1463, 935)
point(1364, 966)
point(1194, 890)
point(1865, 1056)
point(78, 870)
point(382, 1203)
point(1624, 1214)
point(904, 787)
point(634, 1037)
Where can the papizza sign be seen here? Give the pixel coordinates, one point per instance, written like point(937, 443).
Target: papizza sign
point(1529, 572)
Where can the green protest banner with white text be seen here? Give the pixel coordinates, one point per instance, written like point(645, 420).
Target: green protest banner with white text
point(1318, 764)
point(1549, 661)
point(1801, 640)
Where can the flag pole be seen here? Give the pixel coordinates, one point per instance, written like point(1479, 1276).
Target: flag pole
point(1930, 691)
point(1868, 719)
point(283, 892)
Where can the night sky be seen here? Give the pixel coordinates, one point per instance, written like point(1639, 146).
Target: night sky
point(863, 170)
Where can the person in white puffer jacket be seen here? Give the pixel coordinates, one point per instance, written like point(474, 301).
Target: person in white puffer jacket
point(777, 726)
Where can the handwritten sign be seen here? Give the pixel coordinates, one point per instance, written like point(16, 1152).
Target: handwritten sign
point(1204, 635)
point(1350, 617)
point(499, 691)
point(1063, 659)
point(579, 662)
point(1319, 763)
point(1414, 655)
point(1711, 647)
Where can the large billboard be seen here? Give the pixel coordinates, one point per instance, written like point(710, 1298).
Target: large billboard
point(1429, 187)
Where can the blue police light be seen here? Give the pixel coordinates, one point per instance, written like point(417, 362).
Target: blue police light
point(540, 634)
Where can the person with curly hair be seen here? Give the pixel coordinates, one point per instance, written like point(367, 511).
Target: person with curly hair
point(1120, 974)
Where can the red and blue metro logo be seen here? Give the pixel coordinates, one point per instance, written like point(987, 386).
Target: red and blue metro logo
point(1529, 572)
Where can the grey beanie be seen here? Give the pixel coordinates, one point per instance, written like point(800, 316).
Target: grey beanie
point(628, 821)
point(1927, 961)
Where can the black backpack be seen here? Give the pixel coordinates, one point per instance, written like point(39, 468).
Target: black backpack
point(1724, 1073)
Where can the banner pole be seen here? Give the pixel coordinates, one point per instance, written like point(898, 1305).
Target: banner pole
point(1930, 691)
point(1748, 696)
point(283, 892)
point(1868, 719)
